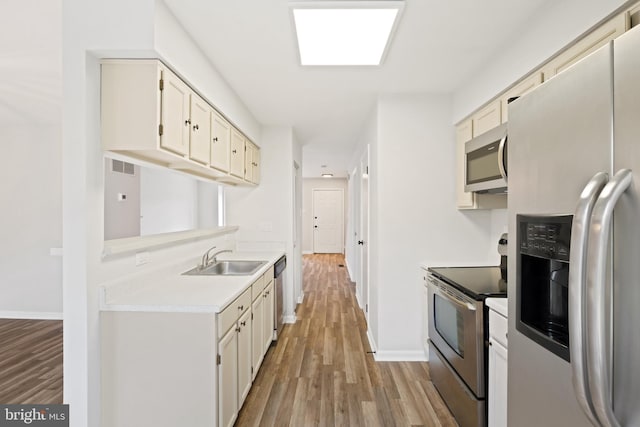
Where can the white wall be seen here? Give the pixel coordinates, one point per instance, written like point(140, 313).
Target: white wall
point(91, 30)
point(168, 202)
point(31, 135)
point(308, 185)
point(265, 213)
point(553, 28)
point(414, 218)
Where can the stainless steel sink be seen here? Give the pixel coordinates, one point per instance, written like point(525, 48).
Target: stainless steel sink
point(227, 268)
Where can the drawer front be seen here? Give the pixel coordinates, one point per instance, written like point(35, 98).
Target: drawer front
point(229, 316)
point(498, 327)
point(257, 288)
point(268, 275)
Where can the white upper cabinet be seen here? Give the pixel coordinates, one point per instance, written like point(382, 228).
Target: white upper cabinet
point(200, 130)
point(588, 44)
point(522, 88)
point(464, 199)
point(487, 118)
point(236, 166)
point(175, 120)
point(220, 142)
point(151, 114)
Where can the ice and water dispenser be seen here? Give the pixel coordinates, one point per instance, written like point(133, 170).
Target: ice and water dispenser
point(542, 280)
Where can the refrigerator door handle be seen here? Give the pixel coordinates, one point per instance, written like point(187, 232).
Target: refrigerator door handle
point(577, 284)
point(599, 366)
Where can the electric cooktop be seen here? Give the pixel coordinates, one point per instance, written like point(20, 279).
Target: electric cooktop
point(477, 282)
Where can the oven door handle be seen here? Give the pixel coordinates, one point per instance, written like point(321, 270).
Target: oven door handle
point(577, 290)
point(598, 325)
point(452, 298)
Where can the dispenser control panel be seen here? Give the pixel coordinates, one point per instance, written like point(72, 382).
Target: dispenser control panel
point(545, 236)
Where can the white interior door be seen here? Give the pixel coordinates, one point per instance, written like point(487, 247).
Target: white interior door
point(364, 231)
point(328, 220)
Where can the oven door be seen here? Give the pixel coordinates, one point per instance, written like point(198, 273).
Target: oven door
point(456, 328)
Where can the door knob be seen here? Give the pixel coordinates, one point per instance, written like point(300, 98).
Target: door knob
point(315, 226)
point(361, 242)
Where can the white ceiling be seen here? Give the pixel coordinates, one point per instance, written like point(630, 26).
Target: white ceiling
point(437, 47)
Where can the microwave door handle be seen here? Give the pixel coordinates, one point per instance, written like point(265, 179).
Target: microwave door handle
point(598, 341)
point(577, 262)
point(501, 165)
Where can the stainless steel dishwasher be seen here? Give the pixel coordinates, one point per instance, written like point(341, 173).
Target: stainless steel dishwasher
point(279, 268)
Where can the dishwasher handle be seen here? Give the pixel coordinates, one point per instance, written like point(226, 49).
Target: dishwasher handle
point(279, 266)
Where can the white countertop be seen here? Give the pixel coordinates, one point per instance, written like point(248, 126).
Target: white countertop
point(167, 290)
point(499, 305)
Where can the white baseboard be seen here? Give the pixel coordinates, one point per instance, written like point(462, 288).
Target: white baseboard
point(400, 356)
point(372, 342)
point(36, 315)
point(290, 318)
point(307, 252)
point(301, 298)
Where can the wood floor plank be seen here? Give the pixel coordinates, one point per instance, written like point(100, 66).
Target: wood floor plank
point(321, 372)
point(30, 361)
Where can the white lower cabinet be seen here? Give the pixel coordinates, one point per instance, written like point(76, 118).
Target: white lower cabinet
point(228, 378)
point(267, 331)
point(243, 346)
point(257, 355)
point(244, 357)
point(497, 393)
point(425, 312)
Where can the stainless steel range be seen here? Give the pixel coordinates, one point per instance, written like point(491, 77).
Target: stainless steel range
point(458, 331)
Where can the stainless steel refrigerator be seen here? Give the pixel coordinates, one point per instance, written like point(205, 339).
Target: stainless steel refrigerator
point(574, 150)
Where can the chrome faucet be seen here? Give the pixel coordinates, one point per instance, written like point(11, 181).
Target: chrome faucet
point(207, 260)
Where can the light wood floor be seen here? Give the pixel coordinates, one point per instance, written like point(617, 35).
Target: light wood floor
point(320, 372)
point(30, 361)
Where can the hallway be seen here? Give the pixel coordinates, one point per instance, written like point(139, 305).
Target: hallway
point(320, 372)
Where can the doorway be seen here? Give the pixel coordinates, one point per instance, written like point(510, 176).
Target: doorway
point(363, 241)
point(328, 220)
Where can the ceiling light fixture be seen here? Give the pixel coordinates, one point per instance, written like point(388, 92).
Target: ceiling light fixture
point(327, 175)
point(344, 32)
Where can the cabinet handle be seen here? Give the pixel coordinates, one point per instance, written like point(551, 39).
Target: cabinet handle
point(241, 307)
point(238, 329)
point(264, 296)
point(195, 127)
point(187, 122)
point(243, 323)
point(215, 139)
point(234, 151)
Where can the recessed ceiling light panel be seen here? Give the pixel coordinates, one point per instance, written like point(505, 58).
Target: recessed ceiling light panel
point(344, 32)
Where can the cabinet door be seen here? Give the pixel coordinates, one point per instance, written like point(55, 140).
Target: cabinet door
point(497, 384)
point(248, 161)
point(464, 199)
point(200, 130)
point(244, 356)
point(268, 316)
point(590, 43)
point(255, 175)
point(425, 313)
point(220, 141)
point(236, 166)
point(257, 331)
point(520, 89)
point(228, 378)
point(175, 98)
point(487, 118)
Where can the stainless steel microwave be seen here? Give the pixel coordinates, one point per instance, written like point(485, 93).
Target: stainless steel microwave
point(485, 162)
